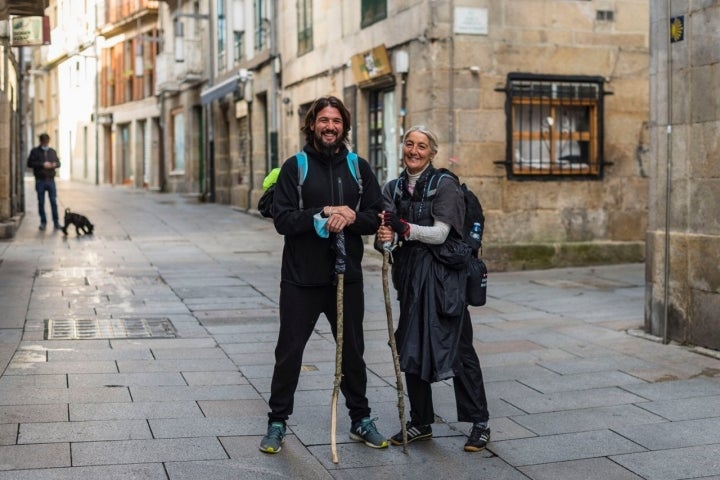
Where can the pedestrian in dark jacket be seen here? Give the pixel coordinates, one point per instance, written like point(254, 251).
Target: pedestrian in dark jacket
point(330, 195)
point(423, 220)
point(44, 161)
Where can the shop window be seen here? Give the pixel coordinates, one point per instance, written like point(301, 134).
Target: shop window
point(554, 127)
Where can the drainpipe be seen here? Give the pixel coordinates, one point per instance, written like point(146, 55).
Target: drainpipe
point(668, 171)
point(451, 86)
point(274, 88)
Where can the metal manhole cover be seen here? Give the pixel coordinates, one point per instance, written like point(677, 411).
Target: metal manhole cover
point(87, 329)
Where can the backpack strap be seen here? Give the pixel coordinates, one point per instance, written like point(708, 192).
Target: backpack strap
point(354, 167)
point(432, 184)
point(302, 166)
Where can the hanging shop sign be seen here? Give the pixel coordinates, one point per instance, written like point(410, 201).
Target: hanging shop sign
point(371, 65)
point(28, 31)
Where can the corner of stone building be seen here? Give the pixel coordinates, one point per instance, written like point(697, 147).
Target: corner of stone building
point(10, 226)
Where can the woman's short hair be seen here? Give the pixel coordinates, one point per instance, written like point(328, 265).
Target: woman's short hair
point(432, 138)
point(319, 104)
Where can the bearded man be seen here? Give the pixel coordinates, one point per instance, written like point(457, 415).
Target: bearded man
point(332, 202)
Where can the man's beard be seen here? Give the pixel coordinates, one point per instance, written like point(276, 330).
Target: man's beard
point(327, 149)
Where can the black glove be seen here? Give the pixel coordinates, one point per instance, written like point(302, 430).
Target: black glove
point(399, 225)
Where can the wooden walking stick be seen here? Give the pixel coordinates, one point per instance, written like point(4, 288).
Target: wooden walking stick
point(387, 248)
point(340, 271)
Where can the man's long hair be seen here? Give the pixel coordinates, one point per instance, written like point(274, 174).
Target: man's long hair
point(319, 104)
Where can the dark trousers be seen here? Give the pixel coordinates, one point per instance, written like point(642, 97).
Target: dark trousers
point(300, 308)
point(470, 399)
point(42, 186)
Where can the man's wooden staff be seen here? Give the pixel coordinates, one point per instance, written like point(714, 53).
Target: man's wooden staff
point(340, 256)
point(393, 345)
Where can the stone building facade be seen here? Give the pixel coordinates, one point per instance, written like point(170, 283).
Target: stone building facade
point(683, 237)
point(540, 106)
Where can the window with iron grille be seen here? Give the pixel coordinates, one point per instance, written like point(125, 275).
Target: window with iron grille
point(554, 126)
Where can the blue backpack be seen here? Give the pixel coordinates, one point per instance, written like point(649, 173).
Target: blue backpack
point(266, 201)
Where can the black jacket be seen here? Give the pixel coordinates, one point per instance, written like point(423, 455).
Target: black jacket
point(308, 259)
point(36, 159)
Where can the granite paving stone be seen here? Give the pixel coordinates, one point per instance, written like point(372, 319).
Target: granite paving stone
point(147, 451)
point(590, 469)
point(133, 410)
point(125, 379)
point(154, 471)
point(674, 464)
point(685, 408)
point(559, 401)
point(581, 420)
point(83, 431)
point(564, 447)
point(44, 396)
point(18, 457)
point(193, 392)
point(669, 435)
point(208, 427)
point(176, 364)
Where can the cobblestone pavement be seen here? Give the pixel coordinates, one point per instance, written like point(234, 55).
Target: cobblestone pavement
point(145, 351)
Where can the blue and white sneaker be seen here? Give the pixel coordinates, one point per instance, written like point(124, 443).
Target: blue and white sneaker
point(365, 431)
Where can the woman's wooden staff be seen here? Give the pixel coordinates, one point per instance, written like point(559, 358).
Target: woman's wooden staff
point(393, 344)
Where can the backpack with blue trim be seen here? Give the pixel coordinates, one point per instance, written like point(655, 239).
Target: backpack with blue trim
point(476, 268)
point(266, 201)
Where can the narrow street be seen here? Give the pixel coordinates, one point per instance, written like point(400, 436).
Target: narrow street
point(145, 351)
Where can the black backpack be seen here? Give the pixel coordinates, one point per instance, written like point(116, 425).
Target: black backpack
point(473, 208)
point(266, 201)
point(476, 268)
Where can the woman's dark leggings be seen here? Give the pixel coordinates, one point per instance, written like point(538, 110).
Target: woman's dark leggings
point(470, 399)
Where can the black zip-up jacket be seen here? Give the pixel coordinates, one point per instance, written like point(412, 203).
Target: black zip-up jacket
point(308, 259)
point(36, 159)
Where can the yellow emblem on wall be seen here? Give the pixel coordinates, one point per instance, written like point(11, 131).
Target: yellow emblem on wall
point(677, 29)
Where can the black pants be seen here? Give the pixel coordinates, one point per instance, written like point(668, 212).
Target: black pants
point(470, 399)
point(300, 308)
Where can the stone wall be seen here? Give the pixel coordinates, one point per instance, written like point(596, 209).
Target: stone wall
point(685, 94)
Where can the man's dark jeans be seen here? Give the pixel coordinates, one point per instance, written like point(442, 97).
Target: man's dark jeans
point(42, 186)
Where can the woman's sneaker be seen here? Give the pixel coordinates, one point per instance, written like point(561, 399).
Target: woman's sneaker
point(272, 441)
point(365, 431)
point(414, 432)
point(478, 439)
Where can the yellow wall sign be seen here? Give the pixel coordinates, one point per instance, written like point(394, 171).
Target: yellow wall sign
point(677, 29)
point(371, 64)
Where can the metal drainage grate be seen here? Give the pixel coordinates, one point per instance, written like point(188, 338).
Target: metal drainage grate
point(86, 329)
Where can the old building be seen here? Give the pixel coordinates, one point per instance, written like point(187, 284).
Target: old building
point(541, 107)
point(683, 237)
point(17, 19)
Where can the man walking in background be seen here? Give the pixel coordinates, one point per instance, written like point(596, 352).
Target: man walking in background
point(44, 160)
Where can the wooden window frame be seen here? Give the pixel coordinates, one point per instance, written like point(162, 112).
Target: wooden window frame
point(554, 126)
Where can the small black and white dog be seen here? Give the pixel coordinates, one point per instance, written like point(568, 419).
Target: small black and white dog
point(82, 224)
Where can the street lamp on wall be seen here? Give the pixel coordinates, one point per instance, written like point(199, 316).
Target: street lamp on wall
point(179, 41)
point(139, 59)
